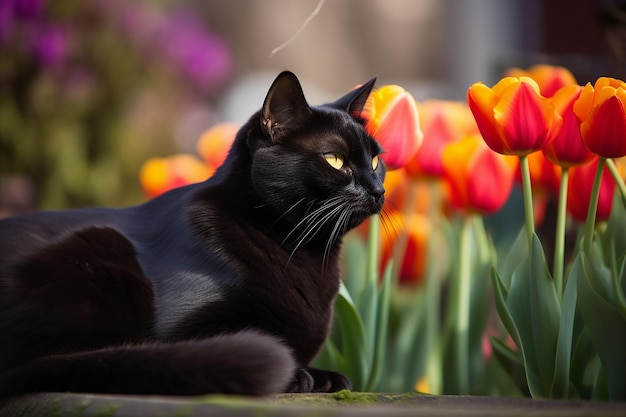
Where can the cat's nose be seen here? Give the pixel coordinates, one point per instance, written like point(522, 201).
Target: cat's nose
point(377, 191)
point(373, 185)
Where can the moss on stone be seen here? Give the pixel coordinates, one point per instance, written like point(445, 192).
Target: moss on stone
point(107, 411)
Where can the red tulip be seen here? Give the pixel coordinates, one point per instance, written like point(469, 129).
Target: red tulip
point(567, 148)
point(513, 117)
point(581, 180)
point(418, 228)
point(550, 78)
point(480, 179)
point(600, 111)
point(443, 122)
point(393, 120)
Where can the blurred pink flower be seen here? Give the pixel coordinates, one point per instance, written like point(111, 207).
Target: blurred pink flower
point(51, 45)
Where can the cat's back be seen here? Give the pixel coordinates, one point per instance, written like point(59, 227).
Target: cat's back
point(23, 234)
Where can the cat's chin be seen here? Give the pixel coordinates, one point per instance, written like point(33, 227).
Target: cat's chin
point(359, 217)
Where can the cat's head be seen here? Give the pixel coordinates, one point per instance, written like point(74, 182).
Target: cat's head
point(316, 165)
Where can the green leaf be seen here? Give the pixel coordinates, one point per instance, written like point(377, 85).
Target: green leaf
point(329, 357)
point(354, 269)
point(519, 307)
point(512, 363)
point(368, 308)
point(598, 273)
point(561, 384)
point(382, 322)
point(606, 327)
point(517, 254)
point(532, 383)
point(614, 233)
point(585, 363)
point(479, 307)
point(353, 341)
point(545, 313)
point(500, 295)
point(411, 344)
point(617, 279)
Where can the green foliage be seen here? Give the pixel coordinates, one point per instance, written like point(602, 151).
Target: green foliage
point(388, 338)
point(358, 345)
point(74, 81)
point(569, 346)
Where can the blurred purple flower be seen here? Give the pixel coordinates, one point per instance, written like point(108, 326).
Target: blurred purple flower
point(27, 9)
point(7, 12)
point(50, 45)
point(200, 55)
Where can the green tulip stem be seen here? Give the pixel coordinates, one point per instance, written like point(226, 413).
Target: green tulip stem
point(618, 179)
point(462, 306)
point(593, 206)
point(528, 198)
point(432, 289)
point(559, 245)
point(372, 249)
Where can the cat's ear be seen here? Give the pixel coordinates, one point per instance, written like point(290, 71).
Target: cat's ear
point(284, 107)
point(355, 100)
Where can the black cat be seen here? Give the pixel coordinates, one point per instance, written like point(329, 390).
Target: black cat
point(223, 286)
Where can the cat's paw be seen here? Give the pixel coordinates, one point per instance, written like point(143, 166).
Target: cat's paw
point(318, 380)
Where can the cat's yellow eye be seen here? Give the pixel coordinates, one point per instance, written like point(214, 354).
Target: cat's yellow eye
point(334, 159)
point(375, 163)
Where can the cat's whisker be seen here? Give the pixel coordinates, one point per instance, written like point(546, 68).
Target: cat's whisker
point(294, 205)
point(315, 221)
point(311, 217)
point(312, 229)
point(338, 230)
point(390, 225)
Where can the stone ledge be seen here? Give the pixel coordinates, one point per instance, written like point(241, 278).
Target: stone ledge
point(339, 404)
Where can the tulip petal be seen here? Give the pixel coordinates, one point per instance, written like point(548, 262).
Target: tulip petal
point(567, 148)
point(480, 179)
point(482, 100)
point(399, 134)
point(491, 180)
point(525, 122)
point(582, 106)
point(604, 132)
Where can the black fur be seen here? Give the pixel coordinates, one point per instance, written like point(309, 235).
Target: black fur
point(222, 286)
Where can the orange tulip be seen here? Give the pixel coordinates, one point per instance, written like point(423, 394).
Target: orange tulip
point(215, 142)
point(393, 120)
point(580, 182)
point(401, 190)
point(513, 117)
point(159, 175)
point(567, 148)
point(442, 122)
point(549, 78)
point(480, 179)
point(601, 113)
point(417, 227)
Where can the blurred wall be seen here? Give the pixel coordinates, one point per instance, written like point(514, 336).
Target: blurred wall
point(439, 47)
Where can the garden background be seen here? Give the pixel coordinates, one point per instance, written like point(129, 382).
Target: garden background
point(92, 89)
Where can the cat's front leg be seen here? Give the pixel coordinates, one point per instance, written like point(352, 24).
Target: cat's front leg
point(318, 380)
